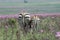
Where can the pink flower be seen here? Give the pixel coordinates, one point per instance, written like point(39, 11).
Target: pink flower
point(41, 31)
point(53, 17)
point(57, 34)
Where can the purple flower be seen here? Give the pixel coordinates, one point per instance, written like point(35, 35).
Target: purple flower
point(57, 34)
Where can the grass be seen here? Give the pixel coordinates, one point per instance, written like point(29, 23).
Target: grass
point(49, 25)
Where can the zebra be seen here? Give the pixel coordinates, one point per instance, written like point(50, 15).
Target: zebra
point(36, 22)
point(27, 22)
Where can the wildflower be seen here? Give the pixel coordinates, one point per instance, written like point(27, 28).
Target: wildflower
point(41, 31)
point(53, 17)
point(57, 34)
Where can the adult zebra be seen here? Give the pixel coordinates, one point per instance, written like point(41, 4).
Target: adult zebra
point(24, 21)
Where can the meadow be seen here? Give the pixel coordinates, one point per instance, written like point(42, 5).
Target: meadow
point(48, 27)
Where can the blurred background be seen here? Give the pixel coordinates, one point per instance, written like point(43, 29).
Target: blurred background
point(32, 6)
point(48, 26)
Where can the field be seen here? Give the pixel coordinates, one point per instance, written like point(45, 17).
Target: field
point(48, 27)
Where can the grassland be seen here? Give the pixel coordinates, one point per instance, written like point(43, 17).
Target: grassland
point(49, 25)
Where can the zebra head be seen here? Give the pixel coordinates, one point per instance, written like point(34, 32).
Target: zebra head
point(35, 19)
point(24, 17)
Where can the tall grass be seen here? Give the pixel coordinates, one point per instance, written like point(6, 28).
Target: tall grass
point(48, 26)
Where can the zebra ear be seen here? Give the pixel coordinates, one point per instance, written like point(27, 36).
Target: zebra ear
point(27, 16)
point(20, 16)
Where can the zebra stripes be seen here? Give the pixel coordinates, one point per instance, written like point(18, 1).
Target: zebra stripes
point(25, 15)
point(26, 21)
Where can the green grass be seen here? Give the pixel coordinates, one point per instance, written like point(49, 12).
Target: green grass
point(49, 26)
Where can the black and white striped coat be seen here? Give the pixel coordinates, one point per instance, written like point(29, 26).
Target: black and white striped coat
point(24, 20)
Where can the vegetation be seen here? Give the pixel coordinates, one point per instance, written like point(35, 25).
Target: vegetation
point(9, 29)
